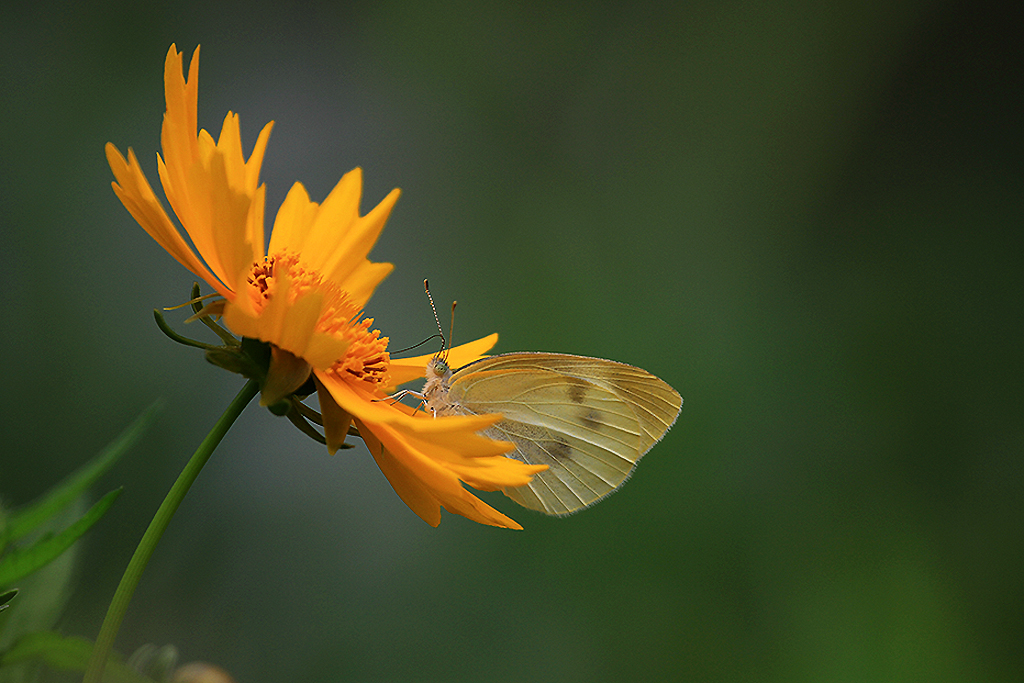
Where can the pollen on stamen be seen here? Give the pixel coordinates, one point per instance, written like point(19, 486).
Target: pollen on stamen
point(261, 281)
point(367, 358)
point(261, 275)
point(264, 275)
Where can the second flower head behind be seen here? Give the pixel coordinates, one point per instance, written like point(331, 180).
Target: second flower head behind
point(304, 296)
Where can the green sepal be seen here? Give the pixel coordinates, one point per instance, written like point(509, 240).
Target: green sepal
point(60, 496)
point(251, 358)
point(259, 352)
point(233, 360)
point(161, 322)
point(197, 310)
point(65, 654)
point(281, 408)
point(21, 562)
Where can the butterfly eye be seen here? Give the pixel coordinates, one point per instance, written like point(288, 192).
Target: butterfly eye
point(440, 367)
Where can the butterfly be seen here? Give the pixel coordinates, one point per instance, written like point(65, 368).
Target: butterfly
point(589, 420)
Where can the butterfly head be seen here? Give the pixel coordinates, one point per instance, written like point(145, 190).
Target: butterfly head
point(435, 390)
point(437, 369)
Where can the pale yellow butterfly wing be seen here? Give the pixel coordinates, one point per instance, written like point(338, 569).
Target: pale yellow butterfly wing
point(590, 420)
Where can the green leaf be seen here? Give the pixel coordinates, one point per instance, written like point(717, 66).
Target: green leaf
point(38, 512)
point(21, 562)
point(65, 654)
point(5, 598)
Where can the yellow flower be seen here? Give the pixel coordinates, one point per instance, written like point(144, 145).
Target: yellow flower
point(304, 297)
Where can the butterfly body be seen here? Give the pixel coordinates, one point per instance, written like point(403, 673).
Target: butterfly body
point(588, 419)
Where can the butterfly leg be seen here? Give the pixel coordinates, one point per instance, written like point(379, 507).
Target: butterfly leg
point(399, 395)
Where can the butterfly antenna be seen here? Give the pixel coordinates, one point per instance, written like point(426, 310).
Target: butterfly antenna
point(414, 346)
point(440, 332)
point(451, 332)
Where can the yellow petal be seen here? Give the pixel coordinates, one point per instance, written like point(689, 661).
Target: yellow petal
point(336, 420)
point(491, 474)
point(289, 323)
point(364, 280)
point(209, 185)
point(331, 237)
point(373, 408)
point(337, 214)
point(242, 317)
point(255, 162)
point(417, 474)
point(212, 204)
point(351, 247)
point(471, 507)
point(253, 236)
point(426, 458)
point(236, 212)
point(408, 487)
point(178, 133)
point(132, 188)
point(324, 350)
point(293, 222)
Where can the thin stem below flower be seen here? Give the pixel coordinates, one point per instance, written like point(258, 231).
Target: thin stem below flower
point(130, 580)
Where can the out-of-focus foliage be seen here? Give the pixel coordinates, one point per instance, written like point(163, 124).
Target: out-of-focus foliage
point(38, 557)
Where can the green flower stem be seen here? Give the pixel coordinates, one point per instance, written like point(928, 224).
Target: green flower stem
point(130, 580)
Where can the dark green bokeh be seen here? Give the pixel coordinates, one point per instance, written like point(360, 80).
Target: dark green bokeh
point(805, 219)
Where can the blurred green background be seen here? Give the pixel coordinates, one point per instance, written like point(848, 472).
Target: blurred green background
point(805, 218)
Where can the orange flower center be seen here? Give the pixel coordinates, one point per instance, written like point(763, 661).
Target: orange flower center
point(366, 358)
